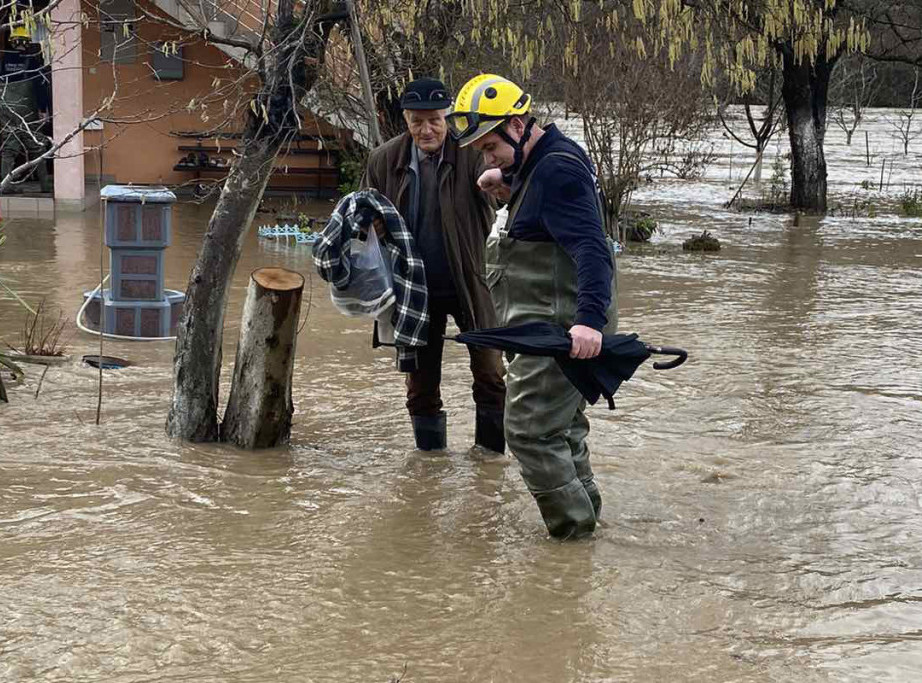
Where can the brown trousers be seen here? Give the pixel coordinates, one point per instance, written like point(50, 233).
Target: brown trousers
point(423, 393)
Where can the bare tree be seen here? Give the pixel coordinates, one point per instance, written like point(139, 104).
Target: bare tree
point(854, 87)
point(276, 51)
point(763, 125)
point(804, 38)
point(286, 52)
point(905, 122)
point(406, 40)
point(635, 127)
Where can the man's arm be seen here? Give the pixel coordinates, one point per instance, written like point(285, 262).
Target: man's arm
point(487, 202)
point(479, 168)
point(370, 181)
point(492, 183)
point(570, 213)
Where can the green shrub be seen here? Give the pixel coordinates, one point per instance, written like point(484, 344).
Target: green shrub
point(911, 201)
point(639, 226)
point(703, 242)
point(778, 184)
point(351, 168)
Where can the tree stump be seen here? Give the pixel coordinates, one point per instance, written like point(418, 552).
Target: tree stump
point(258, 413)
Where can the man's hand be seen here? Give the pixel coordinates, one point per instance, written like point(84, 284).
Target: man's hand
point(586, 342)
point(491, 182)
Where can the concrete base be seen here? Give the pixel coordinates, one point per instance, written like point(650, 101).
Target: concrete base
point(17, 206)
point(34, 204)
point(70, 205)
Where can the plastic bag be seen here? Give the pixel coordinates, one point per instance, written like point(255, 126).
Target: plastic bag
point(371, 280)
point(499, 223)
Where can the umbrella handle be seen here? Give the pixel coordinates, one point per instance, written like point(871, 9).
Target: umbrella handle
point(682, 356)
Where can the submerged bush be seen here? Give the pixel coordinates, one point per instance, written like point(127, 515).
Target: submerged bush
point(638, 226)
point(642, 230)
point(703, 242)
point(911, 201)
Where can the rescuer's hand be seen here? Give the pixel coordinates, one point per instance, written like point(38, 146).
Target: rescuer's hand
point(491, 182)
point(586, 342)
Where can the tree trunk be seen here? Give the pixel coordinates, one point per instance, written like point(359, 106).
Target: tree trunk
point(193, 415)
point(259, 410)
point(805, 90)
point(287, 69)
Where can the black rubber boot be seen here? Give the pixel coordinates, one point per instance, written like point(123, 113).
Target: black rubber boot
point(488, 430)
point(567, 511)
point(430, 431)
point(595, 496)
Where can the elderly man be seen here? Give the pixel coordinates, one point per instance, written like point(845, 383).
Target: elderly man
point(433, 183)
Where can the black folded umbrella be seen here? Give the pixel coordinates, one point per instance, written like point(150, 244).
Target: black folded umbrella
point(621, 355)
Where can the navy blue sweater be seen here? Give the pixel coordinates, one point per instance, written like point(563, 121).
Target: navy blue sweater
point(19, 66)
point(561, 205)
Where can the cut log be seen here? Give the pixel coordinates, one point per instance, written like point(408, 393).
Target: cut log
point(259, 409)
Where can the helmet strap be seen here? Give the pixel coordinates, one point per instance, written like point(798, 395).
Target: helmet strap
point(517, 146)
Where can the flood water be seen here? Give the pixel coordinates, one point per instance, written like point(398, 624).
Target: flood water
point(762, 503)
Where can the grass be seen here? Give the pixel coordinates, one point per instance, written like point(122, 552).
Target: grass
point(853, 206)
point(911, 201)
point(42, 333)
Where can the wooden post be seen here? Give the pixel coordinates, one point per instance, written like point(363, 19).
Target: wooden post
point(867, 148)
point(259, 409)
point(730, 178)
point(374, 132)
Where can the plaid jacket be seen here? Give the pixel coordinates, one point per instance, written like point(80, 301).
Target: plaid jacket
point(331, 257)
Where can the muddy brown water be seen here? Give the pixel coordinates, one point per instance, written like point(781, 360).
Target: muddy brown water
point(761, 518)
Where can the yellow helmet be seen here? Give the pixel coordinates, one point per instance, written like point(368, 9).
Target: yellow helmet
point(484, 103)
point(20, 33)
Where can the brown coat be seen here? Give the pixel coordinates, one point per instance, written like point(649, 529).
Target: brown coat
point(467, 215)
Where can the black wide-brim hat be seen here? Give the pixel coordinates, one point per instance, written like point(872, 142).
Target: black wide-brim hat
point(425, 93)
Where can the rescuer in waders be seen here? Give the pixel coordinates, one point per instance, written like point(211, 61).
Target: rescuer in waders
point(552, 262)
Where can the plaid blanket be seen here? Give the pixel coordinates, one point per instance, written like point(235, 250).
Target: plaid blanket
point(354, 212)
